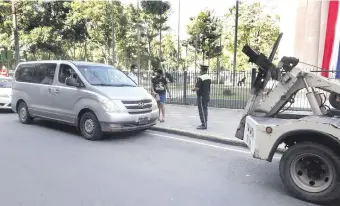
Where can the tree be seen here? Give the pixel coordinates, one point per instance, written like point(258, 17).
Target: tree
point(128, 44)
point(155, 15)
point(104, 31)
point(256, 28)
point(204, 31)
point(41, 25)
point(5, 24)
point(169, 52)
point(98, 17)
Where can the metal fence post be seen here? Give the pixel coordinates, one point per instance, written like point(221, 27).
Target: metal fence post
point(253, 76)
point(185, 87)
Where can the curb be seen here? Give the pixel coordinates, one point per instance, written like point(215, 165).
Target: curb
point(212, 138)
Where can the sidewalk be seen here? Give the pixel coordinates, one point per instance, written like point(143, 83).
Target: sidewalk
point(183, 120)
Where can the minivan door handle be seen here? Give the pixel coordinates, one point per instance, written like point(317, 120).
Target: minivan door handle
point(56, 91)
point(50, 90)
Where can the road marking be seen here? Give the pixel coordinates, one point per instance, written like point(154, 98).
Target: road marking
point(204, 144)
point(200, 143)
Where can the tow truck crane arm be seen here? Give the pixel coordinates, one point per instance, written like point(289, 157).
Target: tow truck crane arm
point(290, 79)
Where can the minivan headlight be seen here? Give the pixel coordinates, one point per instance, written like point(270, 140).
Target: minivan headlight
point(109, 105)
point(5, 95)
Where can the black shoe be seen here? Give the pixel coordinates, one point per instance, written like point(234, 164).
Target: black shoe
point(202, 127)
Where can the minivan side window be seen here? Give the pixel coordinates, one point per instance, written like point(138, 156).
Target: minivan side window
point(45, 73)
point(39, 73)
point(24, 73)
point(66, 71)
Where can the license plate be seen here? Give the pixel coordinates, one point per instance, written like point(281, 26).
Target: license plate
point(143, 120)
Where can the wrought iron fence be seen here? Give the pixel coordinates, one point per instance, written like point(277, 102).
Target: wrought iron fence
point(224, 93)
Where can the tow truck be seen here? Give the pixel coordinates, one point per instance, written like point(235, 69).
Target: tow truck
point(310, 163)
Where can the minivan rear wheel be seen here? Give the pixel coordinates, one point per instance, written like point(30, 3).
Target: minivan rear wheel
point(24, 115)
point(90, 127)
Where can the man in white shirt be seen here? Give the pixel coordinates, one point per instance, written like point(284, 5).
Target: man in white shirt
point(133, 73)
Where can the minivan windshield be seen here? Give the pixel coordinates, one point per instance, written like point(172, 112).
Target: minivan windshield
point(105, 75)
point(5, 83)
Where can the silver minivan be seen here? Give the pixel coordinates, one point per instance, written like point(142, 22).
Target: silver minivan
point(96, 98)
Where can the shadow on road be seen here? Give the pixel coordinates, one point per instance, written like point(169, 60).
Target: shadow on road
point(6, 111)
point(72, 130)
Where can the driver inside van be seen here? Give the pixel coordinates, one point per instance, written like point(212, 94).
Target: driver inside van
point(65, 74)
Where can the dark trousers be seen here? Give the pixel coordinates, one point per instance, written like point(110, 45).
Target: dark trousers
point(202, 104)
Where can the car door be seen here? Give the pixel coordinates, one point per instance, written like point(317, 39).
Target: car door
point(65, 97)
point(37, 88)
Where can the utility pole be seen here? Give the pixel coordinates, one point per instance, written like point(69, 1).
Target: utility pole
point(186, 55)
point(113, 35)
point(15, 33)
point(160, 36)
point(196, 44)
point(219, 61)
point(138, 28)
point(235, 42)
point(178, 39)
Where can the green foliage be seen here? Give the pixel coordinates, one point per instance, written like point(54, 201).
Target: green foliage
point(256, 28)
point(204, 31)
point(155, 15)
point(6, 24)
point(82, 30)
point(42, 26)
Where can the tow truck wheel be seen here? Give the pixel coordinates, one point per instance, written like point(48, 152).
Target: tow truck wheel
point(310, 171)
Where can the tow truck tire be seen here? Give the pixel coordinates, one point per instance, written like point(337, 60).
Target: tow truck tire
point(310, 171)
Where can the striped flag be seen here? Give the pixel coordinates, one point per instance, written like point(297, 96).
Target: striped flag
point(330, 59)
point(312, 33)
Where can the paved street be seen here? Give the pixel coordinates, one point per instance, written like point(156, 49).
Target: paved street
point(49, 165)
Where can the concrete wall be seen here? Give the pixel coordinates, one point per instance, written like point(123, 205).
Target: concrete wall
point(303, 23)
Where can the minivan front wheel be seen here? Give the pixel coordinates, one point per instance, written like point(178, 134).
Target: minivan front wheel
point(24, 115)
point(90, 127)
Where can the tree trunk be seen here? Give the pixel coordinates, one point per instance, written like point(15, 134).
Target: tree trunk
point(85, 51)
point(108, 55)
point(203, 56)
point(15, 33)
point(160, 44)
point(113, 37)
point(149, 52)
point(74, 51)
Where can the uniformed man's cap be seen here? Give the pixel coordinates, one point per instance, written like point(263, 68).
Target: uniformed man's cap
point(204, 67)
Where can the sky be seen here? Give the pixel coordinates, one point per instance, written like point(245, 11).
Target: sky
point(190, 8)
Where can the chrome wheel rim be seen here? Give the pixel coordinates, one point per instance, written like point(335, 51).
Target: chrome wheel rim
point(312, 173)
point(23, 114)
point(89, 126)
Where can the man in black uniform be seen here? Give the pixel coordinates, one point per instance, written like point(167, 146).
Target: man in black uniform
point(202, 89)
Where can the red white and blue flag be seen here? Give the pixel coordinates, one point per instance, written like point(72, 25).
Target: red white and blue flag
point(331, 54)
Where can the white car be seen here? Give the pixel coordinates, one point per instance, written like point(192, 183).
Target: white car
point(5, 92)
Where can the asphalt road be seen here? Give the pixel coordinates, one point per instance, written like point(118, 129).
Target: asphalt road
point(48, 164)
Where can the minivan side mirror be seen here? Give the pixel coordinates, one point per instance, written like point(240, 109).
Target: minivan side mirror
point(72, 82)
